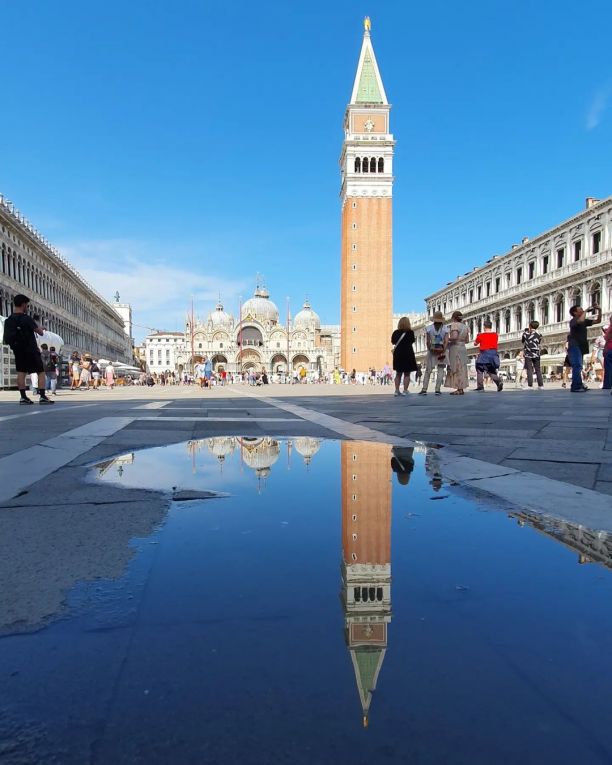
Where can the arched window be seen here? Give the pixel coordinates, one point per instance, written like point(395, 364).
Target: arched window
point(365, 165)
point(381, 165)
point(596, 294)
point(519, 317)
point(559, 308)
point(531, 312)
point(372, 165)
point(575, 297)
point(507, 321)
point(357, 165)
point(545, 311)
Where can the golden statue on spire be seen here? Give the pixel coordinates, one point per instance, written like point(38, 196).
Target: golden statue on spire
point(367, 24)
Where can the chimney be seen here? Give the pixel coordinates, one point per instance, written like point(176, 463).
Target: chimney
point(591, 202)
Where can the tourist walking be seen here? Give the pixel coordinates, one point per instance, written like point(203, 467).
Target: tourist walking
point(607, 357)
point(85, 379)
point(75, 371)
point(109, 375)
point(519, 362)
point(52, 371)
point(436, 337)
point(458, 336)
point(487, 360)
point(531, 350)
point(578, 343)
point(20, 332)
point(95, 374)
point(404, 361)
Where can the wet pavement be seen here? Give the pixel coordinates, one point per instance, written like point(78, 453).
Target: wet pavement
point(300, 600)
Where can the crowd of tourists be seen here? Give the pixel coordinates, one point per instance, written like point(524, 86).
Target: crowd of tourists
point(447, 358)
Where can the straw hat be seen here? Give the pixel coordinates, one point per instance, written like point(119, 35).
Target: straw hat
point(438, 317)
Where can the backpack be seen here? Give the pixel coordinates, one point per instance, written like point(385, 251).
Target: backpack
point(15, 334)
point(52, 363)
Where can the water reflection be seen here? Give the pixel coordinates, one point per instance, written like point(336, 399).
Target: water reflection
point(366, 559)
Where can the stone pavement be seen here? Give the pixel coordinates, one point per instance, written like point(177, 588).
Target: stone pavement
point(506, 440)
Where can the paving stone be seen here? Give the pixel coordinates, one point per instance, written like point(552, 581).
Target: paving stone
point(578, 474)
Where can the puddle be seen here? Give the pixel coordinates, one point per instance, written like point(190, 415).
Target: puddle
point(324, 609)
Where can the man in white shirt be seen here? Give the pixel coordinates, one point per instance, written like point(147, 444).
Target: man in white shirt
point(436, 336)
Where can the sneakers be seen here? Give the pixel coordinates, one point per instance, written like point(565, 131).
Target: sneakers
point(422, 393)
point(45, 400)
point(397, 393)
point(500, 386)
point(438, 393)
point(25, 401)
point(540, 387)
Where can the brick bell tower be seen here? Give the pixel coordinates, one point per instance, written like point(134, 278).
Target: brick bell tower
point(366, 166)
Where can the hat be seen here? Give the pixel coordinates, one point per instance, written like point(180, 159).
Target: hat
point(438, 316)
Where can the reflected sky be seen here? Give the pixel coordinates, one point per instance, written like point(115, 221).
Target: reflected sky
point(341, 604)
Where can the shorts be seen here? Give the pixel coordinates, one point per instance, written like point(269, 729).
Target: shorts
point(28, 362)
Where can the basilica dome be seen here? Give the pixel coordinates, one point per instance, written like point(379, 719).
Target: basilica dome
point(260, 307)
point(220, 319)
point(260, 454)
point(307, 447)
point(307, 318)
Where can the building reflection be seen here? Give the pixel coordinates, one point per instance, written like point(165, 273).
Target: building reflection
point(591, 546)
point(259, 454)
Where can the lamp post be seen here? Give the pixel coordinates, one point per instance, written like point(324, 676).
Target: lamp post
point(192, 339)
point(240, 335)
point(288, 345)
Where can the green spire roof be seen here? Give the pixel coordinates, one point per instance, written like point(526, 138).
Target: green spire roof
point(368, 91)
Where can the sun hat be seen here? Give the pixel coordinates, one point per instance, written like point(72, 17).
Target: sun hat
point(438, 316)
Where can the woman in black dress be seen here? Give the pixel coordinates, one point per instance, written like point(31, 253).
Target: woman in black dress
point(404, 361)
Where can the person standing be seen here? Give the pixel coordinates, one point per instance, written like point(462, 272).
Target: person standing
point(109, 375)
point(207, 371)
point(75, 371)
point(436, 337)
point(95, 374)
point(52, 371)
point(607, 357)
point(578, 343)
point(531, 350)
point(20, 332)
point(488, 357)
point(86, 372)
point(404, 361)
point(458, 336)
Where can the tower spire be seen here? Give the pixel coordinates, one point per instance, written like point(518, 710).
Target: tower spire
point(368, 87)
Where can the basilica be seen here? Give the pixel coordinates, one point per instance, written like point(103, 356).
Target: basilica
point(259, 341)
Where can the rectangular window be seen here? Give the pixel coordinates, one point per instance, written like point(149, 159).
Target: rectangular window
point(471, 296)
point(488, 288)
point(354, 309)
point(497, 284)
point(354, 350)
point(508, 279)
point(354, 288)
point(577, 251)
point(596, 241)
point(531, 270)
point(354, 266)
point(354, 247)
point(479, 292)
point(519, 275)
point(545, 264)
point(560, 257)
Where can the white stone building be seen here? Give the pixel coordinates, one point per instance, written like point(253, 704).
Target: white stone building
point(66, 303)
point(539, 279)
point(260, 341)
point(164, 351)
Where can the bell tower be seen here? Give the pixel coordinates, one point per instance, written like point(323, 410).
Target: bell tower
point(366, 166)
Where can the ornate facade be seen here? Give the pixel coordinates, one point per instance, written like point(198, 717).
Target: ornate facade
point(539, 279)
point(366, 167)
point(259, 340)
point(65, 302)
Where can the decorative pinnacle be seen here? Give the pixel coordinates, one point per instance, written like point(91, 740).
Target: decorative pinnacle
point(367, 25)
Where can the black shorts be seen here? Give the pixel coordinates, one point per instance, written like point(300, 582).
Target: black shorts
point(28, 361)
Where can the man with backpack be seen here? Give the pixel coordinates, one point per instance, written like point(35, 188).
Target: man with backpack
point(20, 332)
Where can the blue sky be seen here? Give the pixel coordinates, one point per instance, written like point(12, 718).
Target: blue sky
point(179, 149)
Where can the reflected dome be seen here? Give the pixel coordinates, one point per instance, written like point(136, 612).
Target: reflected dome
point(221, 446)
point(260, 454)
point(307, 447)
